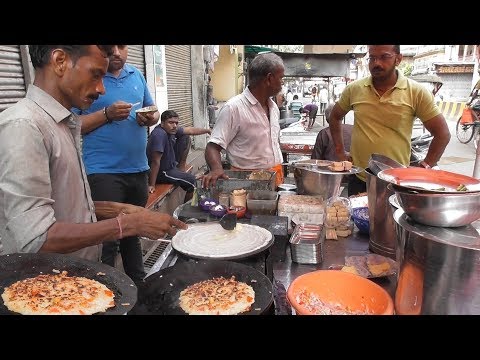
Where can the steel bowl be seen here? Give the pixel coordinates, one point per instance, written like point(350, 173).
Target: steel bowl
point(147, 110)
point(313, 178)
point(444, 210)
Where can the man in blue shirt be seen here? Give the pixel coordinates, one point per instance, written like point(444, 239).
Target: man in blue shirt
point(114, 142)
point(167, 146)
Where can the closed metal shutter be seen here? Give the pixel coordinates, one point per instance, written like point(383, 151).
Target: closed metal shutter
point(136, 57)
point(12, 82)
point(179, 82)
point(456, 87)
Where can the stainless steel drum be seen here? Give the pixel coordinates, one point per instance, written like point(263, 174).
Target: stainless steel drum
point(439, 268)
point(382, 228)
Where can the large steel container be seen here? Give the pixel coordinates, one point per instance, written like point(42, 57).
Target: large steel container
point(439, 268)
point(382, 229)
point(312, 177)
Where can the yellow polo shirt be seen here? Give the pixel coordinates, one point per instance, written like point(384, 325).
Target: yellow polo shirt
point(384, 124)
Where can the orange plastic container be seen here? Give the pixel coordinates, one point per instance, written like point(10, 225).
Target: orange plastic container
point(349, 291)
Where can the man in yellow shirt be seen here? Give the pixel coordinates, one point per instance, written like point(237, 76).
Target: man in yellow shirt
point(385, 105)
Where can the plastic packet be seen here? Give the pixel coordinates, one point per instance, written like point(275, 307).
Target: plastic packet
point(337, 212)
point(368, 266)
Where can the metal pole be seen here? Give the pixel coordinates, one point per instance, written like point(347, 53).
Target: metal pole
point(476, 167)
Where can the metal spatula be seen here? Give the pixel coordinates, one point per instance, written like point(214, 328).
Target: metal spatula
point(228, 221)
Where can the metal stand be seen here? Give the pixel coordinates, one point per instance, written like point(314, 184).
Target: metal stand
point(476, 167)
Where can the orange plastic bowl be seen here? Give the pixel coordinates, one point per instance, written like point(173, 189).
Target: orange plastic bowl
point(349, 291)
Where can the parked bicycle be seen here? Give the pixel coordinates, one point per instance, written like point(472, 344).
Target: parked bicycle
point(466, 131)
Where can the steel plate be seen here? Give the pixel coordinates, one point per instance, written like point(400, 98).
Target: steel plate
point(420, 179)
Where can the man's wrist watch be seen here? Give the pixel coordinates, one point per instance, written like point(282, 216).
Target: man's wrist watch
point(109, 121)
point(424, 164)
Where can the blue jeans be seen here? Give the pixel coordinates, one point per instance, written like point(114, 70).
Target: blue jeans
point(130, 189)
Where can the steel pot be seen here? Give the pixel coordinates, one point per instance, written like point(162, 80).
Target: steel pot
point(382, 229)
point(439, 268)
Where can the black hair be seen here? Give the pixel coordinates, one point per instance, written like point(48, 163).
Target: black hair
point(168, 114)
point(40, 54)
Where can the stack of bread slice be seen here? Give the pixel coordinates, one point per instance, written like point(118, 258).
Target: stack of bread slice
point(340, 166)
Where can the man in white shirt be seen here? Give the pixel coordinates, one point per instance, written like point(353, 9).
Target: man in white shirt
point(323, 99)
point(247, 125)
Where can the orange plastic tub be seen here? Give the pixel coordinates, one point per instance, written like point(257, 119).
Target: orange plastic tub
point(321, 291)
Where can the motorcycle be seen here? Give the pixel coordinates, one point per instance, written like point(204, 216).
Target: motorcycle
point(419, 148)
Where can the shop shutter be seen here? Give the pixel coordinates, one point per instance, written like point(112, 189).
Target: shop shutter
point(456, 86)
point(12, 82)
point(136, 57)
point(179, 82)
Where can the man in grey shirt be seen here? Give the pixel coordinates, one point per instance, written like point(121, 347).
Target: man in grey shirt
point(45, 201)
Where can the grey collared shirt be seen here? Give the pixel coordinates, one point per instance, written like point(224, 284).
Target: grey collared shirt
point(42, 177)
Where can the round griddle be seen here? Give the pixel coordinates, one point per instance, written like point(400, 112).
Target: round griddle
point(15, 267)
point(160, 293)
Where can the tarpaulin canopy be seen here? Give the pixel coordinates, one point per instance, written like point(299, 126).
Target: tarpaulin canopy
point(316, 65)
point(309, 65)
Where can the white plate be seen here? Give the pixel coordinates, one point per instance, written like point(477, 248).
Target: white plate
point(211, 241)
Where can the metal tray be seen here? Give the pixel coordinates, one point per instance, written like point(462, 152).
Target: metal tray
point(238, 179)
point(427, 180)
point(306, 244)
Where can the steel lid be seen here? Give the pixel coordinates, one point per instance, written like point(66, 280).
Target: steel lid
point(465, 236)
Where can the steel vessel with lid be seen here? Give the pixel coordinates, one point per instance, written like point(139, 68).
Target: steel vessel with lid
point(439, 268)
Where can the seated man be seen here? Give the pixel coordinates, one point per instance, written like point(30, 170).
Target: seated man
point(324, 148)
point(311, 111)
point(167, 150)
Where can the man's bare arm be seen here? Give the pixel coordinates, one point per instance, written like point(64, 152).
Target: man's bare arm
point(214, 161)
point(437, 126)
point(335, 122)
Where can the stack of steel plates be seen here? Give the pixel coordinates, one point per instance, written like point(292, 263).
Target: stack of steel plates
point(306, 244)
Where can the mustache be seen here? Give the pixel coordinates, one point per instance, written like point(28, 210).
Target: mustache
point(94, 97)
point(377, 68)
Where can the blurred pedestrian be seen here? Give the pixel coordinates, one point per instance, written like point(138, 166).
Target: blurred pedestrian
point(311, 112)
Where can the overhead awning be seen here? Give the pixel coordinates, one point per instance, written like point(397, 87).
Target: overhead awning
point(252, 49)
point(309, 65)
point(316, 65)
